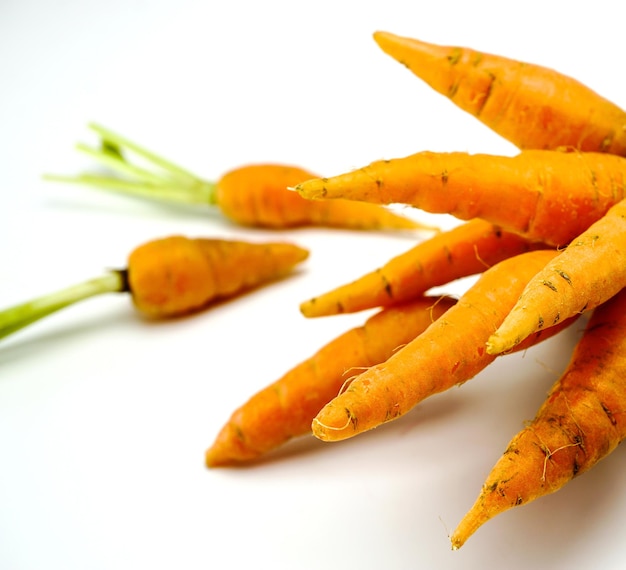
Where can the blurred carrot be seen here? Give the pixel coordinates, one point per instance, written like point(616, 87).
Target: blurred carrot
point(582, 421)
point(465, 250)
point(531, 106)
point(254, 195)
point(543, 195)
point(285, 408)
point(447, 353)
point(584, 275)
point(170, 277)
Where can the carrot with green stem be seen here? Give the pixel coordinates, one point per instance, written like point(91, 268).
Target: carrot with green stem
point(449, 352)
point(253, 195)
point(584, 275)
point(284, 409)
point(171, 276)
point(464, 250)
point(543, 195)
point(582, 421)
point(531, 106)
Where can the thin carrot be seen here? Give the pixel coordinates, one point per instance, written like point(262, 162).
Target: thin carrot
point(529, 105)
point(544, 195)
point(582, 421)
point(464, 250)
point(447, 353)
point(585, 274)
point(285, 409)
point(170, 277)
point(252, 195)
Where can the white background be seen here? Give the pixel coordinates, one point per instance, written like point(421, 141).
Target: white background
point(104, 418)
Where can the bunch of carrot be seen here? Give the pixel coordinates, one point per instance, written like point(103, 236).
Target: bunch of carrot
point(545, 231)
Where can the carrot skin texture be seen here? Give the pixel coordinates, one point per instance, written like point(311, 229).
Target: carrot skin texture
point(529, 105)
point(465, 250)
point(285, 409)
point(177, 275)
point(447, 353)
point(543, 195)
point(258, 195)
point(582, 420)
point(584, 275)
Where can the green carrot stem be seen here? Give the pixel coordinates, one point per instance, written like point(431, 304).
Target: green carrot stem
point(122, 142)
point(119, 164)
point(169, 182)
point(24, 314)
point(200, 194)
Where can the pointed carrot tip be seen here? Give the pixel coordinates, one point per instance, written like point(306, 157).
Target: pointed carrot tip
point(213, 458)
point(218, 456)
point(497, 345)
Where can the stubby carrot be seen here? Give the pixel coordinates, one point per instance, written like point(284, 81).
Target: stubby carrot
point(172, 276)
point(544, 195)
point(447, 353)
point(285, 409)
point(254, 195)
point(464, 250)
point(177, 275)
point(585, 274)
point(582, 421)
point(529, 105)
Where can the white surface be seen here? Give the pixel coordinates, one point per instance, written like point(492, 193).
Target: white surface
point(104, 420)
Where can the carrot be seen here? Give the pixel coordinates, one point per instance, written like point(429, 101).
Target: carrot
point(252, 195)
point(465, 250)
point(285, 409)
point(448, 352)
point(544, 195)
point(582, 420)
point(531, 106)
point(170, 277)
point(587, 273)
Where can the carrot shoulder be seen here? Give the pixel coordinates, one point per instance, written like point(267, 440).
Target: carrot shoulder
point(285, 408)
point(465, 250)
point(582, 420)
point(448, 352)
point(544, 195)
point(529, 105)
point(585, 274)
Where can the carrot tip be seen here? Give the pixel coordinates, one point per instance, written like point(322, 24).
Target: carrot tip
point(497, 345)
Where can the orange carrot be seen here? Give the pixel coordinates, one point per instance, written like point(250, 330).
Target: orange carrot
point(285, 408)
point(252, 195)
point(529, 105)
point(171, 276)
point(544, 195)
point(582, 421)
point(178, 275)
point(588, 272)
point(465, 250)
point(448, 352)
